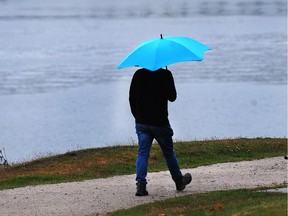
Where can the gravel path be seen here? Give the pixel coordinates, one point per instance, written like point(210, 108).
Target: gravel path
point(103, 195)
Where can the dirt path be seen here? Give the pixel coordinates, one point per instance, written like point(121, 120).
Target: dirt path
point(103, 195)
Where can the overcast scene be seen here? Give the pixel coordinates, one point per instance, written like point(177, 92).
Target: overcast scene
point(60, 88)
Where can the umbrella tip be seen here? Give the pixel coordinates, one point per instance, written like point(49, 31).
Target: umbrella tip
point(161, 36)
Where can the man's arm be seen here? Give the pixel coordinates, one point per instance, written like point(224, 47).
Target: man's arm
point(132, 96)
point(171, 90)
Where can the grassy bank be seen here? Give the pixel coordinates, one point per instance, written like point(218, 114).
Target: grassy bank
point(224, 203)
point(120, 160)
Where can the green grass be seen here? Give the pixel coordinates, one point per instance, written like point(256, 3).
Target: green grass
point(224, 203)
point(120, 160)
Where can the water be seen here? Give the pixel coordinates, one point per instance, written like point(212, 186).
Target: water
point(60, 89)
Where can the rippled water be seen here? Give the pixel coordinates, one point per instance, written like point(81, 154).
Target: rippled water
point(60, 89)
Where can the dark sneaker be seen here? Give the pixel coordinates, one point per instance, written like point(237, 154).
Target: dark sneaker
point(186, 179)
point(141, 189)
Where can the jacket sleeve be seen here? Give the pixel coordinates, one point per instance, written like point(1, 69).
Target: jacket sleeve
point(171, 89)
point(132, 96)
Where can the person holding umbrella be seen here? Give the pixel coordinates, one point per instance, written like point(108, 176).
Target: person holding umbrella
point(150, 90)
point(149, 94)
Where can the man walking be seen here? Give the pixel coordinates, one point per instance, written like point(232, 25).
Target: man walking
point(149, 94)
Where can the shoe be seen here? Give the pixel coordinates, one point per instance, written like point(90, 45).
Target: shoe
point(141, 189)
point(186, 179)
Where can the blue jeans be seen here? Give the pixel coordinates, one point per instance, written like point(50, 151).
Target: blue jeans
point(163, 135)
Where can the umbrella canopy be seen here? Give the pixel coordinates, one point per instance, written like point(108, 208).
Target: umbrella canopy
point(160, 52)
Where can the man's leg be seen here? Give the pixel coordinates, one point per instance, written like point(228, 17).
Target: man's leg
point(163, 135)
point(144, 146)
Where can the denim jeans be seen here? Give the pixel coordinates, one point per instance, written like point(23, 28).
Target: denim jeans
point(163, 135)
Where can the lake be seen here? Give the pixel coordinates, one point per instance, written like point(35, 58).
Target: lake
point(60, 88)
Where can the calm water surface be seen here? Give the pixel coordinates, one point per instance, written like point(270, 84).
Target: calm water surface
point(60, 89)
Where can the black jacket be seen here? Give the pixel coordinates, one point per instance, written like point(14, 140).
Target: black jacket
point(149, 94)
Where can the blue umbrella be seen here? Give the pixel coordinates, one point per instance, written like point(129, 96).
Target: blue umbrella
point(160, 52)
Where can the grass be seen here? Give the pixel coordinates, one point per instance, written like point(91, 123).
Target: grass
point(120, 160)
point(224, 203)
